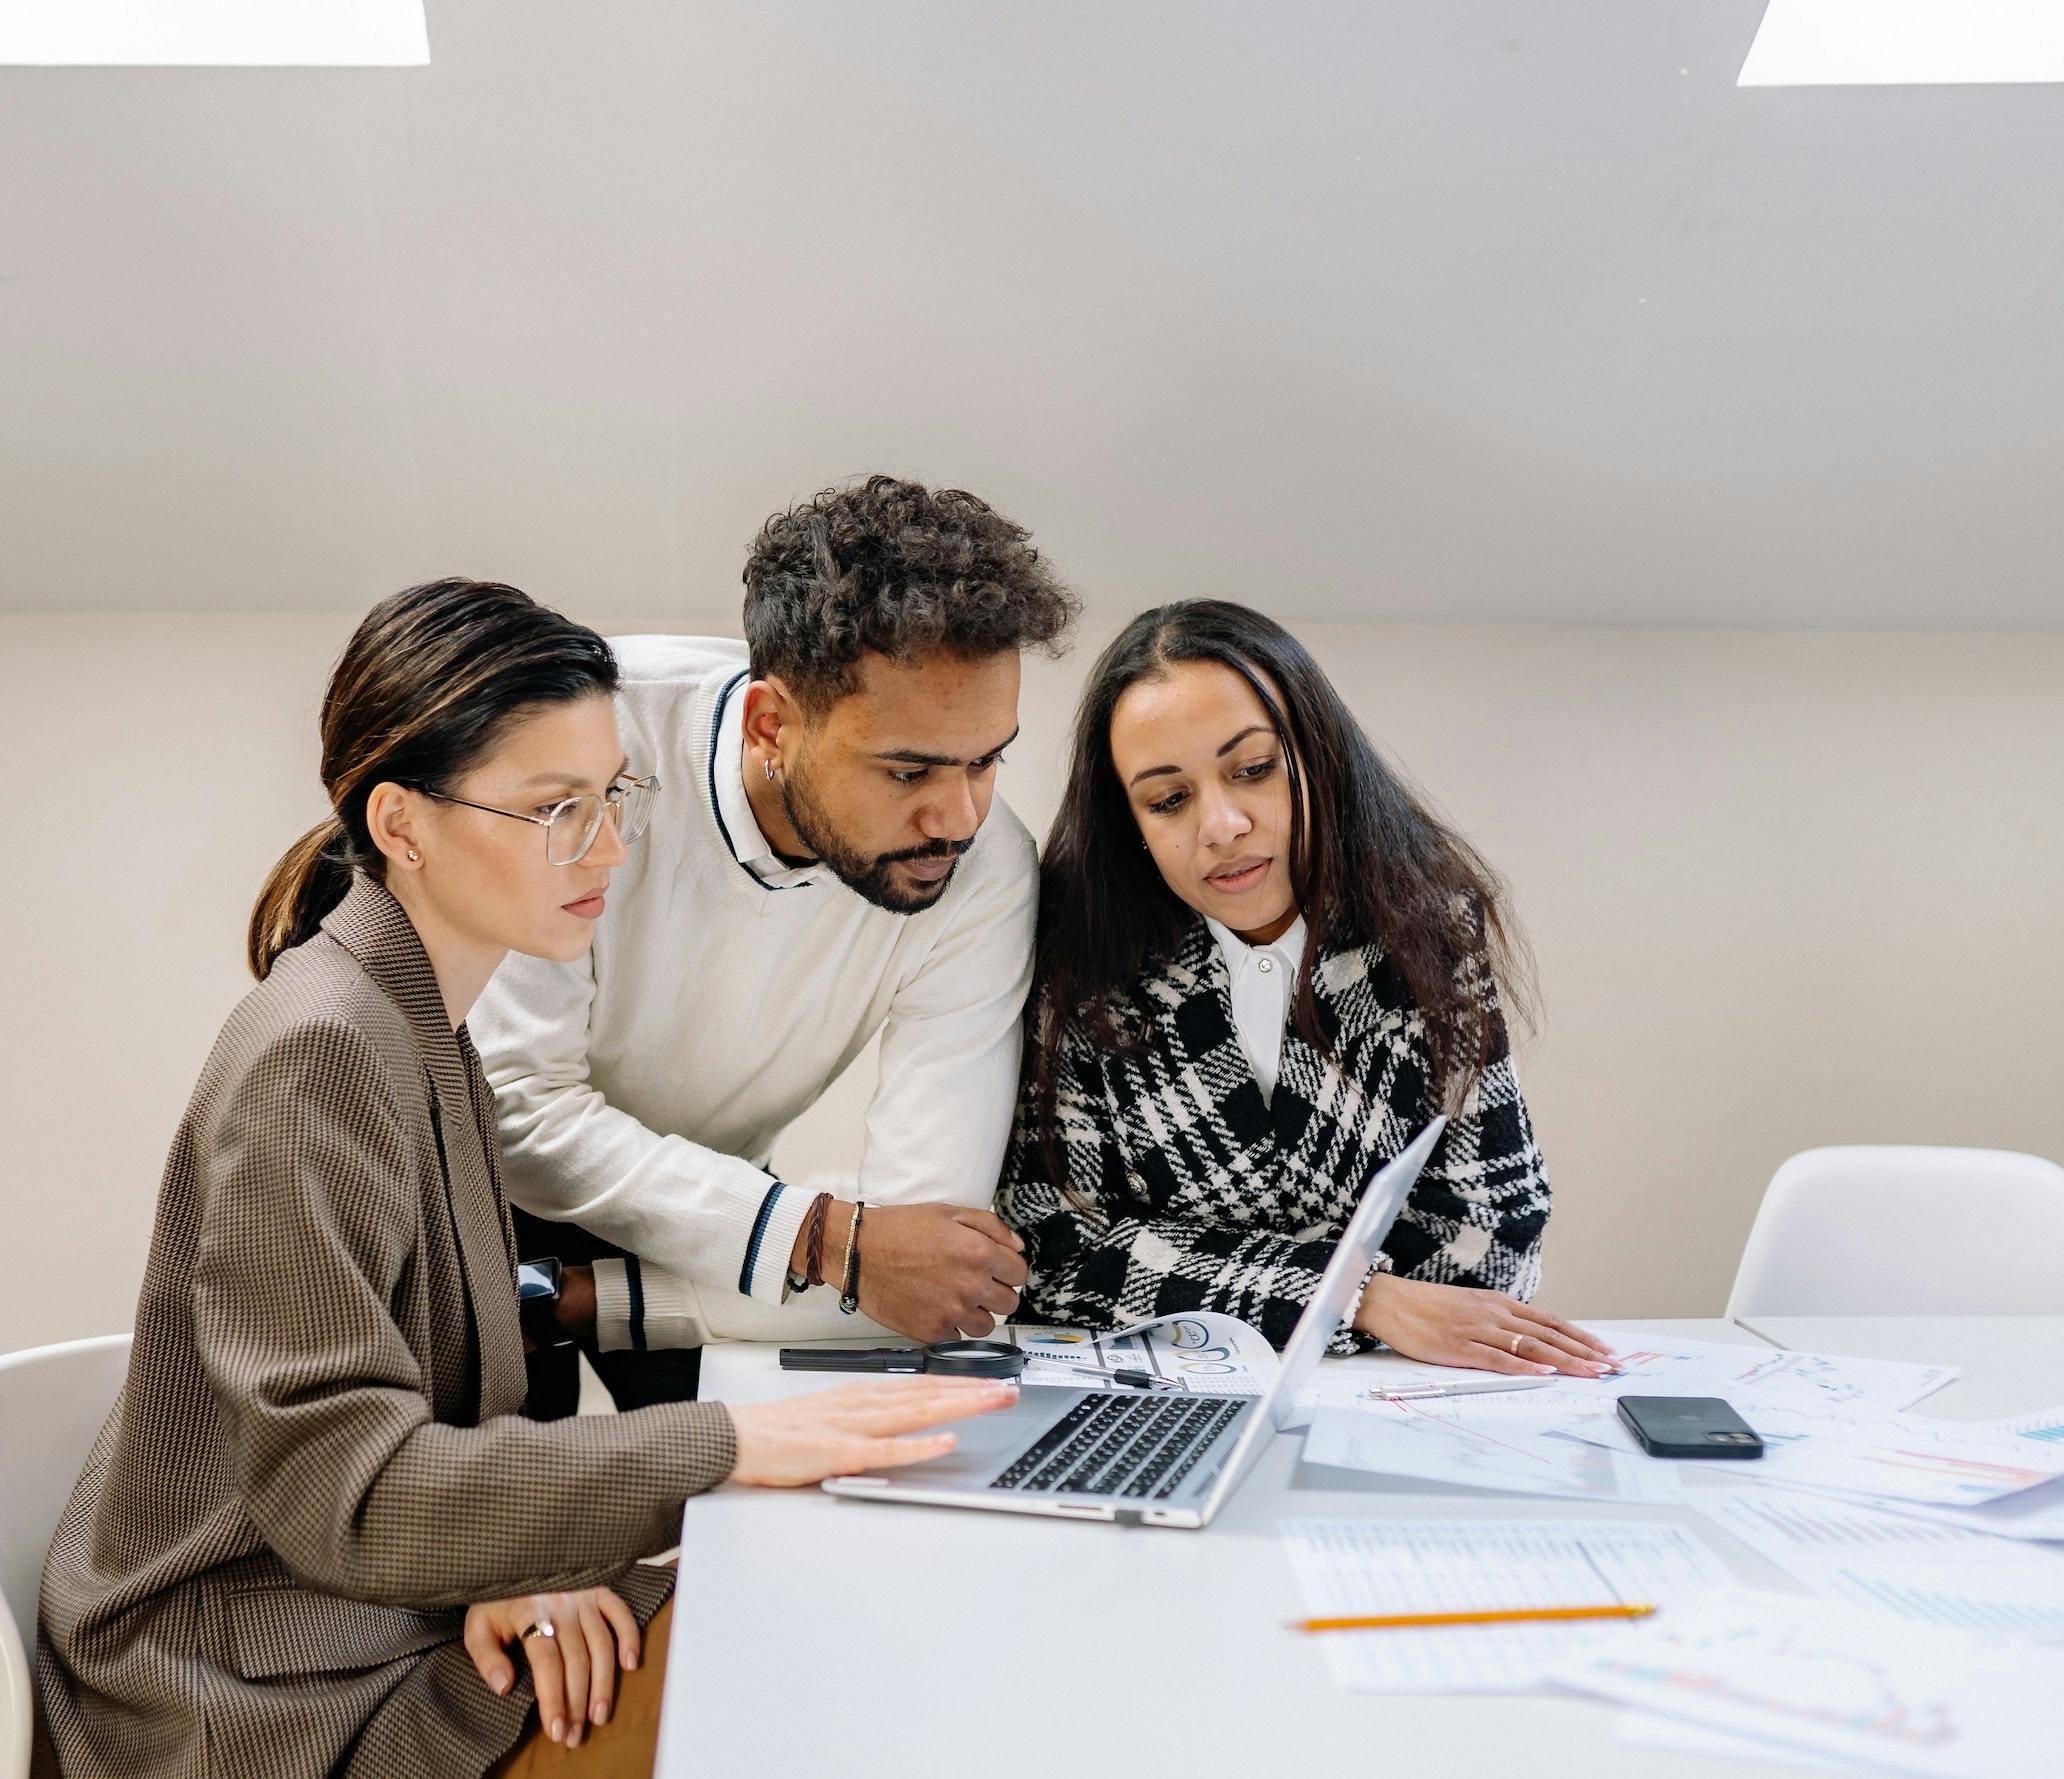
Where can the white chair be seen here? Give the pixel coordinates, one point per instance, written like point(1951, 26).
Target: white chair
point(17, 1709)
point(52, 1403)
point(1881, 1231)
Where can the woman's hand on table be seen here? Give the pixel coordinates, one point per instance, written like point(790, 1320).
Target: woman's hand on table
point(572, 1665)
point(1487, 1330)
point(803, 1439)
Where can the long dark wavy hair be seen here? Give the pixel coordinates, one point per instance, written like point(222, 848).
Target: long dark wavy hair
point(423, 691)
point(1371, 865)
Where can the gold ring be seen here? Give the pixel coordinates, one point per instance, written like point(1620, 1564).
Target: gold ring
point(1514, 1348)
point(543, 1628)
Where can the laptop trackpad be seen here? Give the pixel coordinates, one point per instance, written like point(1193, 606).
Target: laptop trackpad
point(989, 1442)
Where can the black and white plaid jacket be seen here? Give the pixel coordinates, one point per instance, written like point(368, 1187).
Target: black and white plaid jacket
point(1184, 1191)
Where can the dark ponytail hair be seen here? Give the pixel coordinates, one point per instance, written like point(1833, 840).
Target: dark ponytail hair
point(1371, 865)
point(421, 694)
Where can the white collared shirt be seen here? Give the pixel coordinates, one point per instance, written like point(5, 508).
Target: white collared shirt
point(1264, 977)
point(641, 1088)
point(741, 827)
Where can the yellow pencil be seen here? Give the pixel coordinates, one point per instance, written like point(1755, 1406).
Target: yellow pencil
point(1419, 1620)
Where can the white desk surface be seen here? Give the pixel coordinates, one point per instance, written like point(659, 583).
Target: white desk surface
point(848, 1638)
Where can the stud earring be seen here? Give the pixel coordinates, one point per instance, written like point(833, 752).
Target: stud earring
point(414, 857)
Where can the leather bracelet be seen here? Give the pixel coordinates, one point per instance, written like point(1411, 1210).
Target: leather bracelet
point(849, 1287)
point(813, 1244)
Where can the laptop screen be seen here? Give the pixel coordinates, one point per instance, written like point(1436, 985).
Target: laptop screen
point(1341, 1285)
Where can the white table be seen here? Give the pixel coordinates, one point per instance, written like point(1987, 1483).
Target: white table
point(842, 1638)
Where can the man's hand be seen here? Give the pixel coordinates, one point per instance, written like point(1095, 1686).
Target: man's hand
point(928, 1271)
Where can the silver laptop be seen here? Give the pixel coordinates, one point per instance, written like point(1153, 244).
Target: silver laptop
point(1147, 1458)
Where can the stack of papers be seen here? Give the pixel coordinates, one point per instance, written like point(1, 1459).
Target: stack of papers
point(1811, 1383)
point(1649, 1365)
point(1889, 1458)
point(1930, 1635)
point(1347, 1567)
point(1827, 1422)
point(1526, 1443)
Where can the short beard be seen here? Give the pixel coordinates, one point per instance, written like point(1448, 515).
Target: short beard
point(870, 879)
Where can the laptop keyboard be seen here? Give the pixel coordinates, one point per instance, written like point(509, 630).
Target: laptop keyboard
point(1141, 1446)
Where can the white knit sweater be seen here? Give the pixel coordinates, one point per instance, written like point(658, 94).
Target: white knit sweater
point(640, 1090)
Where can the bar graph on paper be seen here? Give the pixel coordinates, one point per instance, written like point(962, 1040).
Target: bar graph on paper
point(1920, 1569)
point(1904, 1457)
point(2010, 1602)
point(2045, 1427)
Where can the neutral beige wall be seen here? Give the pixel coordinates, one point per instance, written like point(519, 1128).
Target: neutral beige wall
point(1784, 888)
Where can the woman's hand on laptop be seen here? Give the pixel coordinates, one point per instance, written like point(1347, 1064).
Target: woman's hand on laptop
point(1462, 1325)
point(804, 1439)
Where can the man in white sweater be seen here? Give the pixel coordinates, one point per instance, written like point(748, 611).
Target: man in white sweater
point(826, 861)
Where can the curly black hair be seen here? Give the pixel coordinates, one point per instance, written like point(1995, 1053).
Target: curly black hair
point(900, 569)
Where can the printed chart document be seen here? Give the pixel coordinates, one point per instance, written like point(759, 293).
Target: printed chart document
point(2043, 1428)
point(1204, 1353)
point(1903, 1457)
point(1889, 1457)
point(1920, 1569)
point(1483, 1442)
point(1858, 1685)
point(1358, 1567)
point(1813, 1383)
point(2032, 1515)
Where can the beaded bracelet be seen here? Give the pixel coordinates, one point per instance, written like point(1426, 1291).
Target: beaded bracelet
point(849, 1288)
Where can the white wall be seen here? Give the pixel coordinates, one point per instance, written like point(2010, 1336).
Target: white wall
point(1785, 888)
point(1514, 311)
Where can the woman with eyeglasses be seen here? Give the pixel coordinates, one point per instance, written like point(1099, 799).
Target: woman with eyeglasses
point(1263, 965)
point(317, 1523)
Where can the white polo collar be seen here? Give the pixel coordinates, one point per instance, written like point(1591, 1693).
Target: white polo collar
point(1285, 952)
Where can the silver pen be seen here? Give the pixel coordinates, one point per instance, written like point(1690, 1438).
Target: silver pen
point(1131, 1377)
point(1418, 1392)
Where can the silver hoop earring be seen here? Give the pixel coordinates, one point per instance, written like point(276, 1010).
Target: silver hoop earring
point(767, 766)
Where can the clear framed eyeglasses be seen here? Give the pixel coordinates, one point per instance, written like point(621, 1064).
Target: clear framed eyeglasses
point(572, 823)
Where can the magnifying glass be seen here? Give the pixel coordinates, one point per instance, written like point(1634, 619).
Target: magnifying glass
point(943, 1358)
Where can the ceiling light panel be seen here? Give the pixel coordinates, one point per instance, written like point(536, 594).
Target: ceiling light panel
point(214, 33)
point(1906, 43)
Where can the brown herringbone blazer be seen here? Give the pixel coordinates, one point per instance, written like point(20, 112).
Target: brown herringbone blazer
point(319, 1460)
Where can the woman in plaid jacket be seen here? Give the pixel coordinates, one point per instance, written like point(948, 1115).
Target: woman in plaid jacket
point(1263, 966)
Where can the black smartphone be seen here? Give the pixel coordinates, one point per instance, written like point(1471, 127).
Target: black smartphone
point(1689, 1427)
